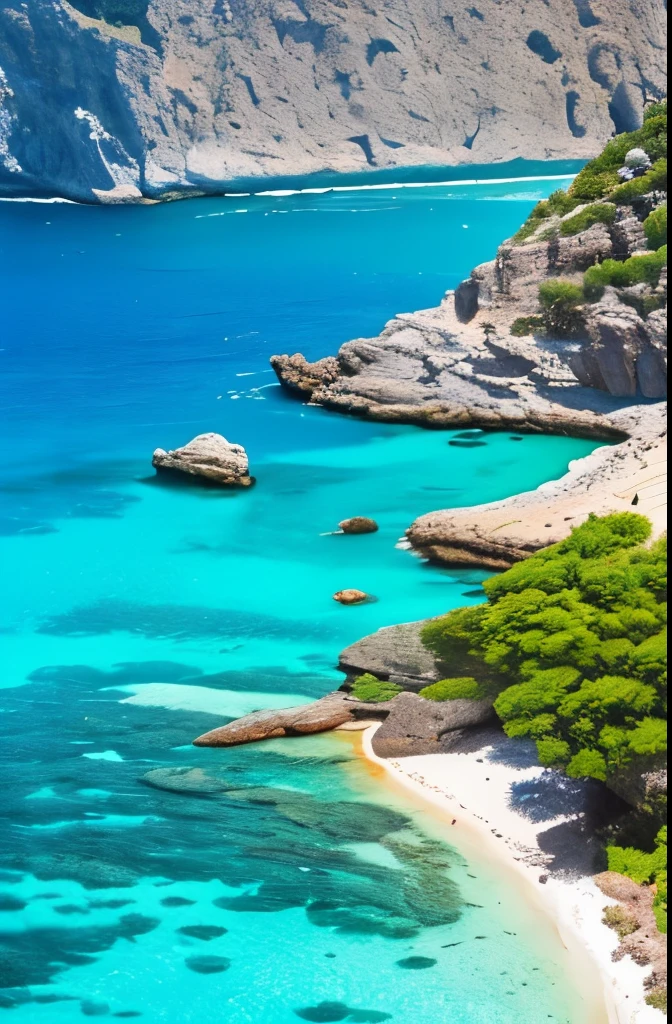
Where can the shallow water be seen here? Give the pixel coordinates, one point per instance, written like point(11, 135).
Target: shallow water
point(134, 616)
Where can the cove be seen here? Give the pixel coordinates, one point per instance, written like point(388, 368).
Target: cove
point(138, 875)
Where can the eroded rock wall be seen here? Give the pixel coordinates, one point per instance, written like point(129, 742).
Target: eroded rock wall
point(166, 96)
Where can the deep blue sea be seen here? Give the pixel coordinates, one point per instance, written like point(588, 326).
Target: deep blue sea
point(141, 877)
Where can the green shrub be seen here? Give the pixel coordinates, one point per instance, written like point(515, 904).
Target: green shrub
point(559, 300)
point(642, 868)
point(621, 920)
point(572, 642)
point(658, 999)
point(556, 290)
point(588, 187)
point(599, 177)
point(525, 325)
point(655, 227)
point(600, 213)
point(634, 270)
point(465, 688)
point(374, 691)
point(655, 110)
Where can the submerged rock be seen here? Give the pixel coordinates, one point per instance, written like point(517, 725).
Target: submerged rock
point(351, 596)
point(185, 780)
point(208, 964)
point(358, 524)
point(327, 713)
point(210, 457)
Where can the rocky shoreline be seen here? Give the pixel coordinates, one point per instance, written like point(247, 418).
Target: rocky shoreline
point(465, 364)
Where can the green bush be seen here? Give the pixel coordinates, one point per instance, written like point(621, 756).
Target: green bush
point(600, 213)
point(645, 869)
point(655, 110)
point(465, 688)
point(559, 300)
point(589, 187)
point(657, 999)
point(524, 325)
point(621, 920)
point(599, 177)
point(635, 270)
point(572, 640)
point(374, 691)
point(555, 290)
point(655, 227)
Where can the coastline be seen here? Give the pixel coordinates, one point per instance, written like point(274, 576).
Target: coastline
point(457, 787)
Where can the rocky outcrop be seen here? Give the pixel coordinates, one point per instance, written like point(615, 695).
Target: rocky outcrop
point(411, 725)
point(395, 654)
point(358, 524)
point(609, 480)
point(415, 725)
point(623, 354)
point(149, 99)
point(327, 713)
point(210, 458)
point(645, 944)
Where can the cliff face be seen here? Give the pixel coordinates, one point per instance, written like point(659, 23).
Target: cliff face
point(106, 100)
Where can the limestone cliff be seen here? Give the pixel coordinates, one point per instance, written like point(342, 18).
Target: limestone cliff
point(106, 100)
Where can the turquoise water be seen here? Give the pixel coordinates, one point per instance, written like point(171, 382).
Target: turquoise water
point(283, 884)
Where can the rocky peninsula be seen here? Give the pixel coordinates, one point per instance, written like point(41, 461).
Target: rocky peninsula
point(497, 354)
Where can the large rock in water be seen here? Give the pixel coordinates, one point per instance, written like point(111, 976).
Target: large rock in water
point(327, 713)
point(210, 457)
point(358, 524)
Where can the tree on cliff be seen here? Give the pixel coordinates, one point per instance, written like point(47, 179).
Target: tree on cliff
point(573, 640)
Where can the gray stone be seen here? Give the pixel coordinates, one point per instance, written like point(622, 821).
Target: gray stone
point(209, 457)
point(394, 653)
point(415, 725)
point(466, 300)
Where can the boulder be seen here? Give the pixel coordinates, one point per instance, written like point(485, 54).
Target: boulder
point(466, 300)
point(358, 524)
point(321, 715)
point(209, 457)
point(350, 596)
point(415, 725)
point(394, 653)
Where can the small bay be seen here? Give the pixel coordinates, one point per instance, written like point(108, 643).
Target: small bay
point(140, 876)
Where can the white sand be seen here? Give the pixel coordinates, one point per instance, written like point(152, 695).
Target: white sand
point(475, 791)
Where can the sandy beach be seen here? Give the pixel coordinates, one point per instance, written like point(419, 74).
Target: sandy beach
point(535, 821)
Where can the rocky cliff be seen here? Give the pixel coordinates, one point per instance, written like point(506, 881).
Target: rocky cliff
point(108, 100)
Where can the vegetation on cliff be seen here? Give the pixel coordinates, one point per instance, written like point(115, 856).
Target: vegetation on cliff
point(645, 869)
point(599, 180)
point(574, 638)
point(372, 690)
